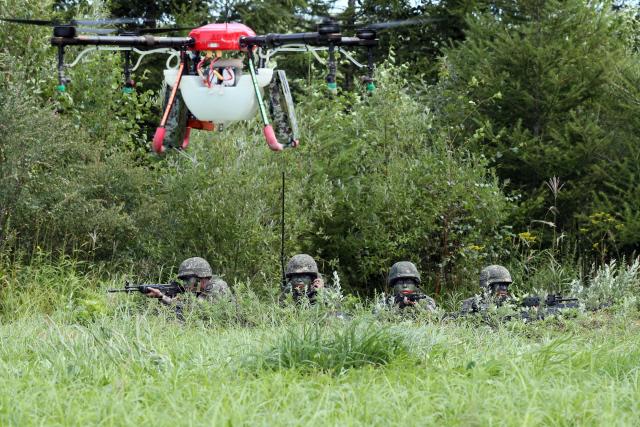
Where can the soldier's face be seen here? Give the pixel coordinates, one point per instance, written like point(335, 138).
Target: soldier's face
point(500, 290)
point(405, 285)
point(191, 283)
point(302, 279)
point(301, 282)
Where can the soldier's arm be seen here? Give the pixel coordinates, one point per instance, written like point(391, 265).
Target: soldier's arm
point(157, 293)
point(468, 305)
point(219, 290)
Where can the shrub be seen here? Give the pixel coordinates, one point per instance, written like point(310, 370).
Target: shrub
point(333, 349)
point(610, 284)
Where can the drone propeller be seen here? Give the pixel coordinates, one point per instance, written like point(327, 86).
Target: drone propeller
point(75, 22)
point(30, 21)
point(163, 30)
point(69, 30)
point(370, 31)
point(379, 26)
point(114, 21)
point(97, 30)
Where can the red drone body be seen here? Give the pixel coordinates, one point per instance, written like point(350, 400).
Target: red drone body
point(220, 36)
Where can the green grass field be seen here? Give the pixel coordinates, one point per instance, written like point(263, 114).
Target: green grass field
point(145, 369)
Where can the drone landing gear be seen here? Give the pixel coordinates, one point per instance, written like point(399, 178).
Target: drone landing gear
point(158, 138)
point(268, 131)
point(176, 127)
point(195, 124)
point(284, 119)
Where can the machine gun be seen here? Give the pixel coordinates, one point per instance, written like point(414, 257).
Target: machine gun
point(552, 300)
point(556, 300)
point(552, 304)
point(169, 289)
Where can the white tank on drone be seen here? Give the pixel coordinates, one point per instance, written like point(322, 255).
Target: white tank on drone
point(221, 103)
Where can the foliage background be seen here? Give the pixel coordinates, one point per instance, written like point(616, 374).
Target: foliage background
point(504, 134)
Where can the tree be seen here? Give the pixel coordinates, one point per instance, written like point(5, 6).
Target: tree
point(530, 88)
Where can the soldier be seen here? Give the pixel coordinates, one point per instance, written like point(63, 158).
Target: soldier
point(198, 279)
point(302, 279)
point(494, 283)
point(404, 279)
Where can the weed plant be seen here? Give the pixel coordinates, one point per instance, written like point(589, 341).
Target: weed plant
point(612, 283)
point(332, 348)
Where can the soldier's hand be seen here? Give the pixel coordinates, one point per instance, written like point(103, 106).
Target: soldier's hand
point(155, 293)
point(318, 283)
point(407, 301)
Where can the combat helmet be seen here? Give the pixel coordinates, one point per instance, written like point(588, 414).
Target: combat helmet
point(401, 270)
point(494, 274)
point(195, 266)
point(301, 264)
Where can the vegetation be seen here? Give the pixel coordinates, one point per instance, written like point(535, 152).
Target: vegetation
point(71, 354)
point(361, 193)
point(507, 134)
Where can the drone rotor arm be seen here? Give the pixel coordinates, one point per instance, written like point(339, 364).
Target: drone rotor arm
point(125, 41)
point(275, 40)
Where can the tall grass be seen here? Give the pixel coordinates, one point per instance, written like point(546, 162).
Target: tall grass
point(332, 348)
point(142, 369)
point(258, 363)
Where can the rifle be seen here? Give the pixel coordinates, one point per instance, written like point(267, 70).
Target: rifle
point(169, 289)
point(412, 297)
point(556, 300)
point(300, 291)
point(552, 300)
point(553, 304)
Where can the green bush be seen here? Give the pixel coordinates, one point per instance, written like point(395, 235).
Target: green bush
point(613, 283)
point(398, 190)
point(334, 349)
point(61, 190)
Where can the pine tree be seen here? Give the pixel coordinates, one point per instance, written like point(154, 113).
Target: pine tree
point(531, 88)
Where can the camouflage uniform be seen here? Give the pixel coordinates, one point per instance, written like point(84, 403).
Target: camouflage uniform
point(404, 279)
point(491, 278)
point(300, 273)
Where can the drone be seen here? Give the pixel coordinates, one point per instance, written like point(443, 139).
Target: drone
point(205, 90)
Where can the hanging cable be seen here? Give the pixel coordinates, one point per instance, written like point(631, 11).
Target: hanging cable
point(284, 278)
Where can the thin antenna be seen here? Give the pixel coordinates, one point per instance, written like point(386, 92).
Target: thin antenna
point(282, 231)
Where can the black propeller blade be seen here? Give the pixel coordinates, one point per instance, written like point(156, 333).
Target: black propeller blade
point(75, 22)
point(30, 21)
point(97, 30)
point(379, 26)
point(163, 30)
point(370, 31)
point(114, 21)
